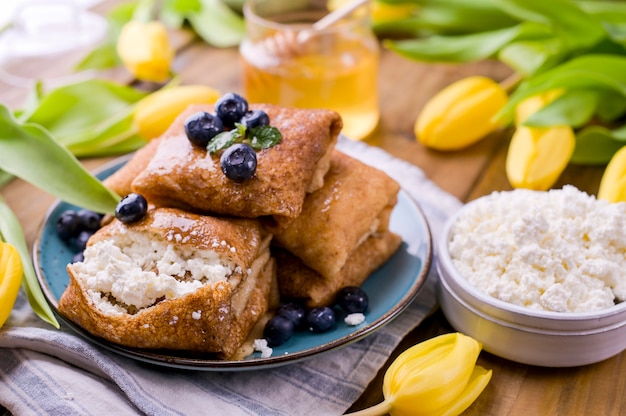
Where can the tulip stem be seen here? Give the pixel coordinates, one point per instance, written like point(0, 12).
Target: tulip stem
point(511, 81)
point(377, 410)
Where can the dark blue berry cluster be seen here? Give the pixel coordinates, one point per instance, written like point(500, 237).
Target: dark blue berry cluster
point(75, 227)
point(291, 317)
point(239, 161)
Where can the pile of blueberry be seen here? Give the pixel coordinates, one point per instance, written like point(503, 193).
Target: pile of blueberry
point(291, 317)
point(224, 129)
point(75, 227)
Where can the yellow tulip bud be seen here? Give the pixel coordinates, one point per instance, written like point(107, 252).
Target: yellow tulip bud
point(537, 156)
point(460, 114)
point(531, 105)
point(10, 279)
point(145, 50)
point(383, 12)
point(613, 183)
point(155, 113)
point(436, 377)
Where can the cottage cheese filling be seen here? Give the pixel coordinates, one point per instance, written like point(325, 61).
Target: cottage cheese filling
point(136, 270)
point(560, 250)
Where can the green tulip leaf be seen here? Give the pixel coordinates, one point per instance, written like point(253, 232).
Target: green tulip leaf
point(576, 28)
point(75, 119)
point(12, 233)
point(102, 57)
point(5, 178)
point(218, 24)
point(611, 106)
point(464, 48)
point(596, 145)
point(460, 17)
point(573, 108)
point(603, 72)
point(528, 57)
point(30, 153)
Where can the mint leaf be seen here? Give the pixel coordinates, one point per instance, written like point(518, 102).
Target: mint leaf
point(264, 137)
point(260, 137)
point(223, 140)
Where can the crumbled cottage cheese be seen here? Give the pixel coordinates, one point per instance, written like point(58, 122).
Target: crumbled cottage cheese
point(560, 250)
point(354, 319)
point(261, 346)
point(136, 269)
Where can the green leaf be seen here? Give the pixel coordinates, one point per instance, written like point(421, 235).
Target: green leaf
point(595, 145)
point(217, 24)
point(603, 72)
point(264, 137)
point(81, 112)
point(573, 108)
point(611, 106)
point(464, 48)
point(29, 152)
point(5, 178)
point(576, 28)
point(12, 233)
point(223, 140)
point(458, 17)
point(102, 57)
point(528, 57)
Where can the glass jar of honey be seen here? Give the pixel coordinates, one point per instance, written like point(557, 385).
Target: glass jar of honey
point(291, 61)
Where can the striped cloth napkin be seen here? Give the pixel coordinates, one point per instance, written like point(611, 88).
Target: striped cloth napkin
point(44, 371)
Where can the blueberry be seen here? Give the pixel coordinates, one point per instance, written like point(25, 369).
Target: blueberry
point(293, 311)
point(238, 162)
point(67, 225)
point(353, 299)
point(89, 220)
point(78, 257)
point(202, 127)
point(230, 108)
point(81, 239)
point(131, 208)
point(278, 330)
point(321, 319)
point(255, 118)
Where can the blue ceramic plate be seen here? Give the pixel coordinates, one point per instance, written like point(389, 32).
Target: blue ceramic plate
point(391, 289)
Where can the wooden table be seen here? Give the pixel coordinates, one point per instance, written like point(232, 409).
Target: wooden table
point(405, 86)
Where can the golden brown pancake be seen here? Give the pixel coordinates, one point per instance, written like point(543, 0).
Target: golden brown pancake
point(227, 259)
point(297, 281)
point(355, 202)
point(185, 176)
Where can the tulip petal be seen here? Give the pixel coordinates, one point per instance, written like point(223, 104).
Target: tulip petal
point(460, 114)
point(10, 279)
point(478, 381)
point(537, 156)
point(613, 183)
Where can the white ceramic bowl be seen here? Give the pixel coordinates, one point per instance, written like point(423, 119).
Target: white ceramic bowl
point(543, 338)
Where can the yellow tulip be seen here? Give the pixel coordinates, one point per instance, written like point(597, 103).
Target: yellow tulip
point(461, 114)
point(538, 155)
point(155, 113)
point(10, 279)
point(380, 12)
point(531, 105)
point(145, 50)
point(436, 377)
point(613, 183)
point(383, 12)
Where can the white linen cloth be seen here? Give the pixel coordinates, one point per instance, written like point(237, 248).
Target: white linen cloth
point(44, 371)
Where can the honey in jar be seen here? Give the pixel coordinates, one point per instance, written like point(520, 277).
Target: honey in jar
point(286, 61)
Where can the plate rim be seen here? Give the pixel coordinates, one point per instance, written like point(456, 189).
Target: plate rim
point(199, 364)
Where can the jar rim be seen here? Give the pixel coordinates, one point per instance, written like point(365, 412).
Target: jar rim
point(252, 16)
